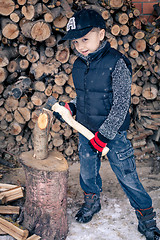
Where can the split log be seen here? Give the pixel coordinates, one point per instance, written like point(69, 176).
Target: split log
point(48, 90)
point(9, 209)
point(121, 17)
point(11, 194)
point(15, 128)
point(3, 112)
point(9, 29)
point(28, 11)
point(135, 100)
point(61, 79)
point(66, 7)
point(5, 186)
point(20, 86)
point(2, 232)
point(38, 30)
point(69, 150)
point(21, 2)
point(13, 230)
point(57, 89)
point(16, 16)
point(106, 14)
point(151, 38)
point(23, 50)
point(13, 66)
point(6, 55)
point(11, 104)
point(136, 12)
point(41, 132)
point(136, 90)
point(49, 52)
point(115, 30)
point(139, 45)
point(124, 30)
point(60, 21)
point(137, 33)
point(114, 4)
point(133, 53)
point(62, 54)
point(22, 115)
point(149, 91)
point(32, 56)
point(51, 41)
point(39, 86)
point(34, 237)
point(39, 69)
point(3, 74)
point(7, 7)
point(38, 98)
point(23, 64)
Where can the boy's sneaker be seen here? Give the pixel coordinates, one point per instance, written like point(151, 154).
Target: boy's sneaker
point(147, 224)
point(90, 206)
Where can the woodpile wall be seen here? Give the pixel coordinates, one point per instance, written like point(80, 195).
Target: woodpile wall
point(33, 67)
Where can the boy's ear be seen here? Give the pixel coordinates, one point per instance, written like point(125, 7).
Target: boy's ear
point(102, 34)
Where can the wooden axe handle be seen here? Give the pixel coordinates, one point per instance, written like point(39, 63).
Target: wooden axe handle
point(64, 112)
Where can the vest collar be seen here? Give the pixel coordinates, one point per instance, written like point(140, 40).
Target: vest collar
point(104, 47)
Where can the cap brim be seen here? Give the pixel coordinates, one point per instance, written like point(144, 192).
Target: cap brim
point(75, 34)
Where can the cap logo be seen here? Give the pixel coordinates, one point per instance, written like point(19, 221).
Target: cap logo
point(71, 24)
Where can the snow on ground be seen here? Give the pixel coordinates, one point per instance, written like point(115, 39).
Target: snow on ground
point(117, 219)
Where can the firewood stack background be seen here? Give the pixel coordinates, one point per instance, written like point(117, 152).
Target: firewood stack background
point(33, 67)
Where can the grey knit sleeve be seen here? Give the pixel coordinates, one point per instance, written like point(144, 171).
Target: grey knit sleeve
point(121, 85)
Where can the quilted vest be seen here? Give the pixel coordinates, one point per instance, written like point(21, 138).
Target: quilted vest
point(93, 83)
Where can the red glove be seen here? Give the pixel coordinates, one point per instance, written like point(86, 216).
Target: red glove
point(97, 143)
point(66, 105)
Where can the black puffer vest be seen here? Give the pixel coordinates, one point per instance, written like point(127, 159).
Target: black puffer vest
point(93, 82)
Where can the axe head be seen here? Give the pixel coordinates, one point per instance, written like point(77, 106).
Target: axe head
point(50, 102)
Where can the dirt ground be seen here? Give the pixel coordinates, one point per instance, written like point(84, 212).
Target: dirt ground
point(117, 219)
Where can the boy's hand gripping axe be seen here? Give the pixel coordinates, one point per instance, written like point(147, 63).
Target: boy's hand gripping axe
point(53, 105)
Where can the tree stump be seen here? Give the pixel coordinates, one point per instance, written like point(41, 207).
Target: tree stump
point(44, 211)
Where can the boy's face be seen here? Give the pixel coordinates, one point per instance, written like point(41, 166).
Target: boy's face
point(90, 42)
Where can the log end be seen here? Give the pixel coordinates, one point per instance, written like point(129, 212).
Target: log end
point(54, 162)
point(43, 121)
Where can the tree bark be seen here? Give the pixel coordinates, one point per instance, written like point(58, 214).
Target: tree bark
point(45, 204)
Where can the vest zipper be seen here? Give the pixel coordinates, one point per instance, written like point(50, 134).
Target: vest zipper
point(86, 84)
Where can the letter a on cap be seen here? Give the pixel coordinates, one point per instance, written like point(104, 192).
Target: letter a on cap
point(71, 24)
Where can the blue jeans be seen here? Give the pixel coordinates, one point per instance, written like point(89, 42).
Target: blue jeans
point(121, 158)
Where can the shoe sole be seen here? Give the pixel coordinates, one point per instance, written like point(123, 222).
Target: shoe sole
point(89, 219)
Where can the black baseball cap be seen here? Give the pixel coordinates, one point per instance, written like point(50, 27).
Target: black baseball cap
point(81, 23)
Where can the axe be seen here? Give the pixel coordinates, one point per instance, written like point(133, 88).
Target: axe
point(53, 105)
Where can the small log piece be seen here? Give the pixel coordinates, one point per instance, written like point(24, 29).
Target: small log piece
point(41, 131)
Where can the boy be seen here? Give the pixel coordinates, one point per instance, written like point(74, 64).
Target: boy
point(102, 79)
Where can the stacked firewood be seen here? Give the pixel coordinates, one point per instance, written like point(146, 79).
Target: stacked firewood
point(33, 67)
point(10, 214)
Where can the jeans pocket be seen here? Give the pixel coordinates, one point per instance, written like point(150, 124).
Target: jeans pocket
point(126, 161)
